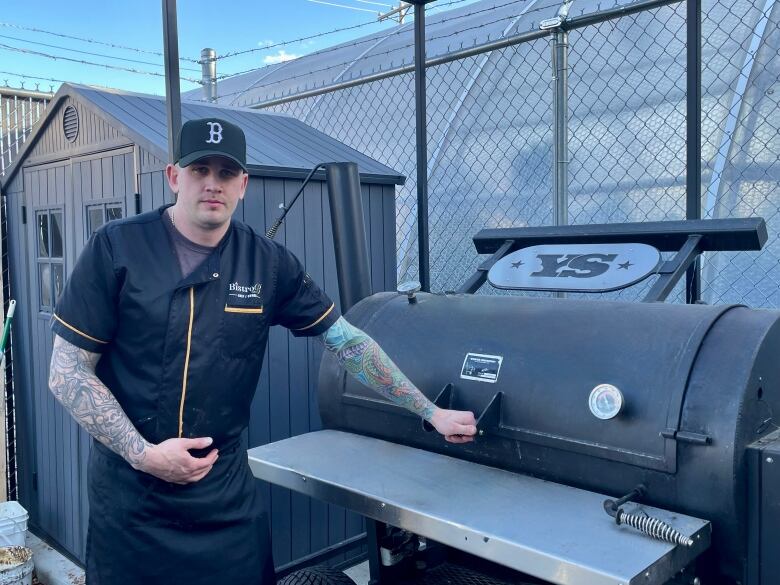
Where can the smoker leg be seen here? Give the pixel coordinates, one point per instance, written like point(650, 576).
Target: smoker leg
point(374, 530)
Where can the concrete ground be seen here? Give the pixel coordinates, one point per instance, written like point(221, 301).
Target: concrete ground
point(358, 573)
point(52, 568)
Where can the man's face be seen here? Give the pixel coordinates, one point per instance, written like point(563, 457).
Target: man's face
point(208, 191)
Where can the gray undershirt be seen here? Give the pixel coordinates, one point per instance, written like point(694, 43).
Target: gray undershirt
point(189, 254)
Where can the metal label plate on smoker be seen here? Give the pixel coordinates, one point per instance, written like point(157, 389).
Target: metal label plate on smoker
point(481, 367)
point(575, 268)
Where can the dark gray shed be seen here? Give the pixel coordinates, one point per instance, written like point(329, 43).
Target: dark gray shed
point(98, 155)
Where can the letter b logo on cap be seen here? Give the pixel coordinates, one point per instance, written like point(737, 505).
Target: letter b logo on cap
point(215, 133)
point(207, 137)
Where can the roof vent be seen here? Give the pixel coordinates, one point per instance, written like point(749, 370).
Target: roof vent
point(70, 123)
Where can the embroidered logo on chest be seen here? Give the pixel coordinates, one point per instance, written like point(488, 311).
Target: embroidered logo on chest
point(244, 295)
point(245, 291)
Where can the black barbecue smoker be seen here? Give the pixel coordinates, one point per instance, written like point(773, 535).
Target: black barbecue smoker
point(619, 443)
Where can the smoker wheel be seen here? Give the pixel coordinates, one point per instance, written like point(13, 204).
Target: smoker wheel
point(318, 575)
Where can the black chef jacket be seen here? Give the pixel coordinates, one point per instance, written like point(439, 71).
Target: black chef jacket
point(182, 357)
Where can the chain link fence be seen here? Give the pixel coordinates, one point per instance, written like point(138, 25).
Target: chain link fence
point(19, 111)
point(490, 138)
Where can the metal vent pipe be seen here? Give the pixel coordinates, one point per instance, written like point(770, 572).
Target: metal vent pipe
point(349, 233)
point(208, 63)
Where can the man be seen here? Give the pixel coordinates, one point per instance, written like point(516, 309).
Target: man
point(160, 336)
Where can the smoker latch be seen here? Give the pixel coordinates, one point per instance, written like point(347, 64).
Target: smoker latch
point(687, 437)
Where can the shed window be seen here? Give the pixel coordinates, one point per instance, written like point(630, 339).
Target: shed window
point(55, 238)
point(50, 257)
point(44, 273)
point(43, 235)
point(100, 213)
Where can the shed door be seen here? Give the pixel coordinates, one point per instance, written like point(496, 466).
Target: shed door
point(66, 202)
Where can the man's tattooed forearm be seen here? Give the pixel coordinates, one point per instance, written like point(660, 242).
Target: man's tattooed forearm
point(73, 382)
point(362, 357)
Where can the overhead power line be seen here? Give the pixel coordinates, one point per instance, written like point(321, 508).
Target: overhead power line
point(92, 63)
point(316, 36)
point(293, 41)
point(362, 41)
point(375, 3)
point(341, 6)
point(88, 40)
point(93, 54)
point(307, 73)
point(398, 13)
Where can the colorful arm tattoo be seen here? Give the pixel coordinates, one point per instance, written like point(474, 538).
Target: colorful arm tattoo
point(362, 357)
point(73, 382)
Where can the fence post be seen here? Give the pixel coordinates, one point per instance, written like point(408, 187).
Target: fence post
point(693, 138)
point(560, 67)
point(422, 144)
point(172, 87)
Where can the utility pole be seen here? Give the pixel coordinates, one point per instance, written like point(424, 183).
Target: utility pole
point(398, 13)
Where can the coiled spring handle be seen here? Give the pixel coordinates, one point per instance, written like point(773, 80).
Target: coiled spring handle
point(651, 526)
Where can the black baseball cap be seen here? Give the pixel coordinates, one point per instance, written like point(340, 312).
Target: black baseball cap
point(210, 137)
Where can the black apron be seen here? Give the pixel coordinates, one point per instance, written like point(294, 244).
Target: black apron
point(183, 358)
point(143, 530)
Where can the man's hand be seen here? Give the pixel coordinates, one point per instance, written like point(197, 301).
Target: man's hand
point(171, 460)
point(457, 426)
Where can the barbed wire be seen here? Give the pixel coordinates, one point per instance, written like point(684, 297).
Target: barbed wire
point(314, 36)
point(93, 54)
point(88, 40)
point(408, 45)
point(362, 41)
point(25, 76)
point(92, 63)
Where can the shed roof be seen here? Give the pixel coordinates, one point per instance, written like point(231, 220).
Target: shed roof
point(277, 145)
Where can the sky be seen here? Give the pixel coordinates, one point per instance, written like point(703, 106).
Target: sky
point(134, 28)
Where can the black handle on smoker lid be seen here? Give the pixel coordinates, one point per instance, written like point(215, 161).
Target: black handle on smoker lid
point(488, 420)
point(443, 400)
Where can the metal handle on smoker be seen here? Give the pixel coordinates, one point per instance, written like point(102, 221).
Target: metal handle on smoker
point(488, 420)
point(442, 400)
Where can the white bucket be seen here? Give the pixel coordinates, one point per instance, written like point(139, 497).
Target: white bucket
point(16, 565)
point(13, 524)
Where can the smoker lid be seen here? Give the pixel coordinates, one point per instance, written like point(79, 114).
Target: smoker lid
point(551, 531)
point(553, 354)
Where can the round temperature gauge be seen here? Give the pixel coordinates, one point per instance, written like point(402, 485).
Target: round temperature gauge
point(605, 401)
